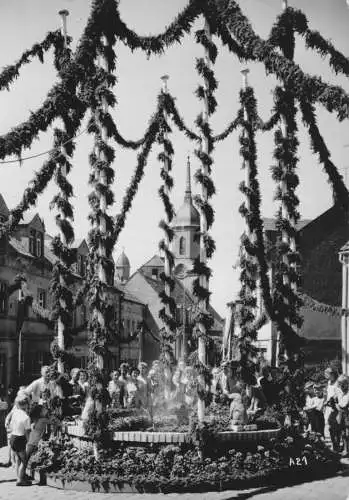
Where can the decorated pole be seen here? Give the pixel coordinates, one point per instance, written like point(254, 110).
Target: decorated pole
point(167, 267)
point(203, 280)
point(63, 171)
point(344, 260)
point(103, 63)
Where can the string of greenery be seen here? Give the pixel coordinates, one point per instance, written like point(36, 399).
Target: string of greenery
point(11, 72)
point(169, 311)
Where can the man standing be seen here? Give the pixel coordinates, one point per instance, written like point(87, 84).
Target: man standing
point(39, 386)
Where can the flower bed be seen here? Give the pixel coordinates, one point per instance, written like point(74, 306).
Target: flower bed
point(173, 468)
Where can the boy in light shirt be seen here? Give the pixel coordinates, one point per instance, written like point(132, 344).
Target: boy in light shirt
point(20, 429)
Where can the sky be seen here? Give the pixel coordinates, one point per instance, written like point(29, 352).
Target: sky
point(24, 22)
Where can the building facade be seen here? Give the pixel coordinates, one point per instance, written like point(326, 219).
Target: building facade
point(319, 242)
point(28, 252)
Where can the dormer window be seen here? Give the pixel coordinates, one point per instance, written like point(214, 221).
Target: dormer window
point(39, 244)
point(81, 265)
point(36, 243)
point(32, 241)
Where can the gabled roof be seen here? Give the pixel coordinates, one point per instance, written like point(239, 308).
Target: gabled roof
point(127, 295)
point(3, 207)
point(155, 261)
point(179, 293)
point(270, 224)
point(18, 247)
point(345, 248)
point(33, 219)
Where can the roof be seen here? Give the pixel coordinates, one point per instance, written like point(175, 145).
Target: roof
point(49, 255)
point(187, 215)
point(155, 261)
point(270, 224)
point(19, 247)
point(122, 260)
point(345, 248)
point(3, 207)
point(179, 293)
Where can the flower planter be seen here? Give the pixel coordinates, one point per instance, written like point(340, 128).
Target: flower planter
point(76, 432)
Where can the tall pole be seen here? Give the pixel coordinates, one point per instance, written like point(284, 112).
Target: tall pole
point(344, 259)
point(203, 230)
point(20, 335)
point(60, 325)
point(102, 252)
point(167, 266)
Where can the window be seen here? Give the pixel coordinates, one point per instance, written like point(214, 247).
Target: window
point(3, 297)
point(154, 273)
point(32, 241)
point(181, 245)
point(36, 243)
point(39, 244)
point(42, 298)
point(81, 265)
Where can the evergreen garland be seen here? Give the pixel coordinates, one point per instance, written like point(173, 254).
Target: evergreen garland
point(332, 97)
point(339, 189)
point(101, 241)
point(11, 72)
point(251, 241)
point(205, 92)
point(62, 278)
point(287, 279)
point(156, 44)
point(168, 312)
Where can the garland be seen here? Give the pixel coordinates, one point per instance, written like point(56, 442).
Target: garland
point(149, 140)
point(11, 72)
point(156, 44)
point(321, 307)
point(62, 278)
point(168, 312)
point(333, 98)
point(339, 189)
point(62, 96)
point(205, 92)
point(250, 210)
point(287, 278)
point(297, 21)
point(102, 224)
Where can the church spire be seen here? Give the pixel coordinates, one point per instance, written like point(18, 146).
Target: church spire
point(187, 195)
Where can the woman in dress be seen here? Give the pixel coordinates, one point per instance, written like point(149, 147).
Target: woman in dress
point(132, 390)
point(116, 390)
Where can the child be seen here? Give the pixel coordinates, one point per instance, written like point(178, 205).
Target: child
point(20, 429)
point(318, 422)
point(39, 417)
point(343, 412)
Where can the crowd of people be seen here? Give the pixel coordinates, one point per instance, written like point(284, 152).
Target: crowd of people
point(54, 396)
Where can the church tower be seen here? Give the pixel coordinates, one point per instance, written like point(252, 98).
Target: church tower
point(186, 225)
point(122, 268)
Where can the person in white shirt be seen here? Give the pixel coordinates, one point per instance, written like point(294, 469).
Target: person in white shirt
point(38, 386)
point(343, 412)
point(20, 430)
point(332, 392)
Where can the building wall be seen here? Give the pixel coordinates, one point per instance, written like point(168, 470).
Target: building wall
point(36, 334)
